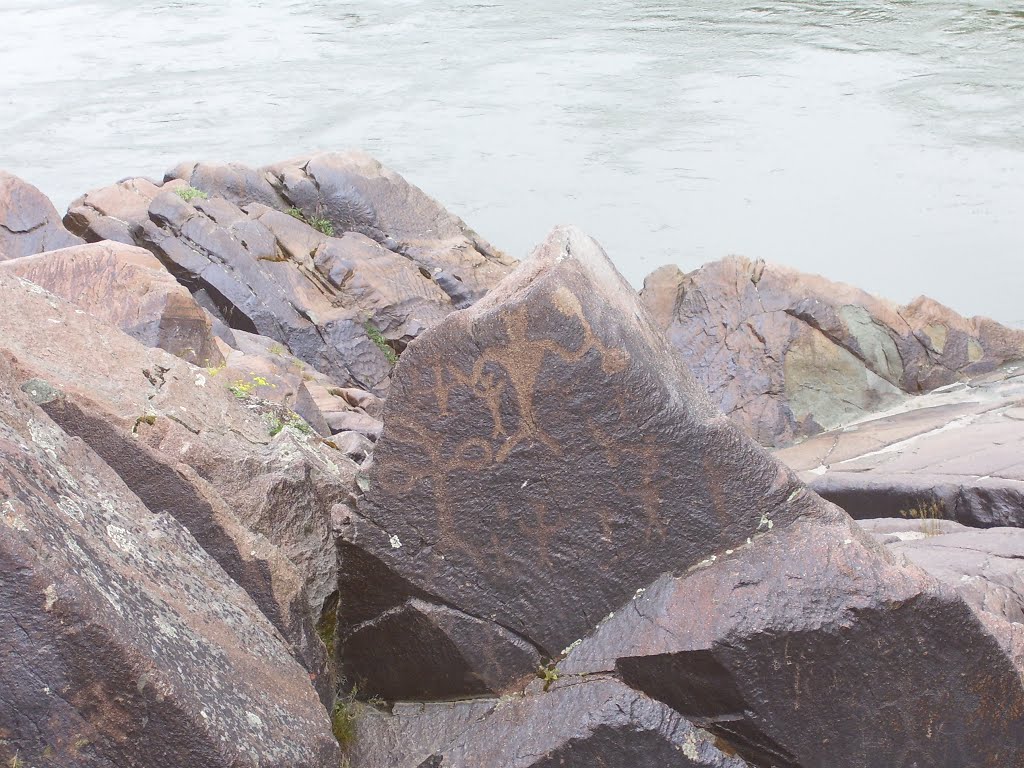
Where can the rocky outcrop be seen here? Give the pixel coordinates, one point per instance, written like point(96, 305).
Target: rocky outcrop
point(954, 454)
point(256, 493)
point(596, 722)
point(28, 221)
point(546, 463)
point(333, 256)
point(787, 354)
point(983, 566)
point(127, 287)
point(123, 643)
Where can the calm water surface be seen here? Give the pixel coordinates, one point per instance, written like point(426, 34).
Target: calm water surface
point(880, 143)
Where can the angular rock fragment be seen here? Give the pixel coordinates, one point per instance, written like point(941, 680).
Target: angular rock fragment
point(258, 503)
point(545, 455)
point(809, 647)
point(28, 221)
point(596, 722)
point(127, 287)
point(335, 257)
point(121, 641)
point(787, 354)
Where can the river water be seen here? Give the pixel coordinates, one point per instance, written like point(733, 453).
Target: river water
point(880, 143)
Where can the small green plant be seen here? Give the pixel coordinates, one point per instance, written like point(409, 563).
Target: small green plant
point(343, 720)
point(290, 419)
point(242, 388)
point(216, 369)
point(188, 194)
point(277, 349)
point(321, 225)
point(930, 516)
point(382, 344)
point(149, 419)
point(548, 674)
point(296, 213)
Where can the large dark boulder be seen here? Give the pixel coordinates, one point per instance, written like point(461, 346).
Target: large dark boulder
point(122, 642)
point(787, 354)
point(256, 494)
point(333, 256)
point(28, 221)
point(548, 463)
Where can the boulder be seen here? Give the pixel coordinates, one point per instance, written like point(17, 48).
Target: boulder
point(335, 257)
point(122, 642)
point(787, 354)
point(953, 454)
point(28, 221)
point(983, 566)
point(256, 494)
point(596, 722)
point(548, 462)
point(129, 288)
point(502, 491)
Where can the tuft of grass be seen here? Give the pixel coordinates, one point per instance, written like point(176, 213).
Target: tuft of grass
point(382, 344)
point(321, 225)
point(296, 213)
point(930, 516)
point(188, 194)
point(277, 349)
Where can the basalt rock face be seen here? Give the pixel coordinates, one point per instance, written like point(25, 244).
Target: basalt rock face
point(256, 494)
point(129, 288)
point(788, 355)
point(383, 261)
point(546, 463)
point(597, 722)
point(28, 221)
point(809, 647)
point(122, 642)
point(535, 445)
point(954, 454)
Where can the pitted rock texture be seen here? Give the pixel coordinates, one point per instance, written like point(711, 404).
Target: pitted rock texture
point(786, 354)
point(261, 504)
point(597, 722)
point(29, 223)
point(362, 265)
point(810, 647)
point(986, 567)
point(545, 454)
point(129, 288)
point(955, 454)
point(122, 643)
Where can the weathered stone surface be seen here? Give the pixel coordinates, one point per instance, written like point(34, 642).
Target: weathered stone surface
point(787, 354)
point(809, 647)
point(391, 263)
point(129, 288)
point(260, 504)
point(28, 221)
point(598, 722)
point(985, 567)
point(122, 643)
point(958, 450)
point(537, 443)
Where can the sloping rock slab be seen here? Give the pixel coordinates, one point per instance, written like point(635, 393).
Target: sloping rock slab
point(260, 504)
point(545, 454)
point(788, 354)
point(362, 265)
point(129, 288)
point(807, 647)
point(959, 452)
point(122, 643)
point(28, 221)
point(986, 567)
point(598, 722)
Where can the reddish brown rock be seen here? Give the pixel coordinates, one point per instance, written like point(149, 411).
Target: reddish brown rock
point(598, 722)
point(382, 263)
point(258, 499)
point(127, 287)
point(122, 642)
point(787, 354)
point(28, 221)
